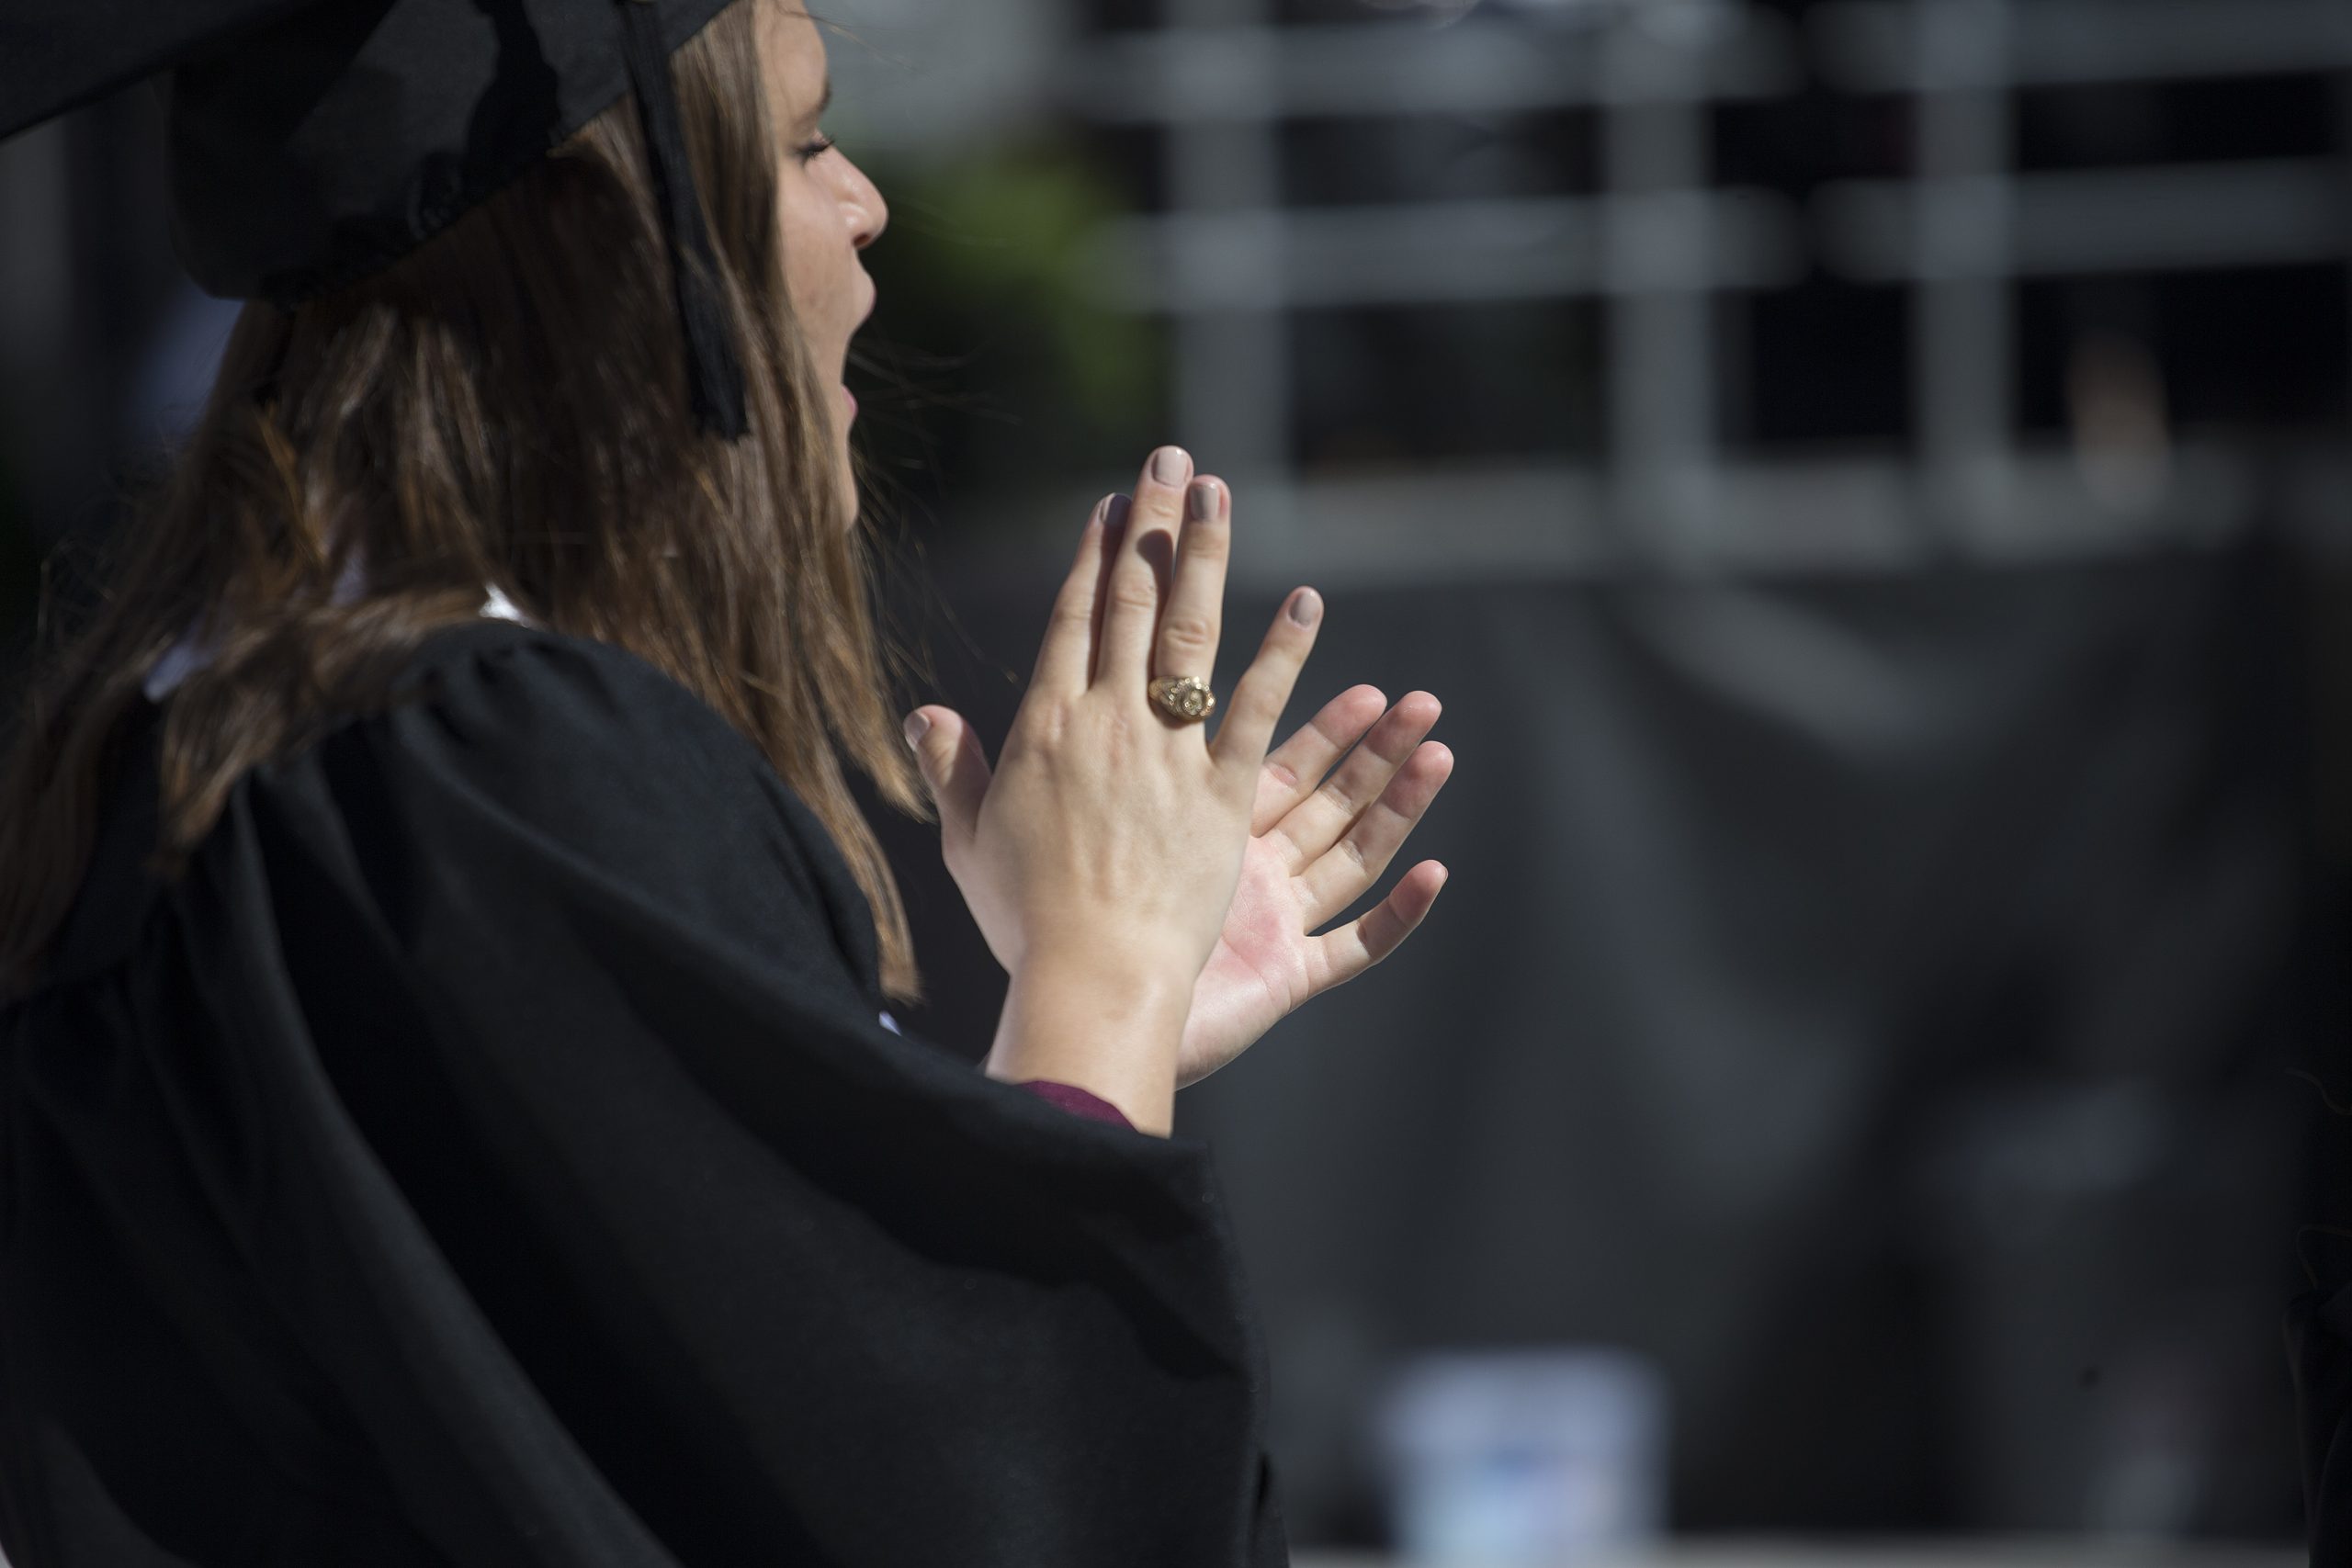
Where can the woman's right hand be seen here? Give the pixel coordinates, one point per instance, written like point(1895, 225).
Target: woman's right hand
point(1108, 834)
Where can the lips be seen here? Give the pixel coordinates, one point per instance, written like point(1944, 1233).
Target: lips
point(872, 298)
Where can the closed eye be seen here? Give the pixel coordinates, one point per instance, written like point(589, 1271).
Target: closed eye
point(809, 150)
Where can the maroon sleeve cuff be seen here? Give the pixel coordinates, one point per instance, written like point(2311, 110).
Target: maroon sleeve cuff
point(1076, 1101)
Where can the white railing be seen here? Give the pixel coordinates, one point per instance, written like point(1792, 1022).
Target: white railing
point(1661, 242)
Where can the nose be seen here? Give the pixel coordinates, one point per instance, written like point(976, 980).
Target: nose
point(868, 213)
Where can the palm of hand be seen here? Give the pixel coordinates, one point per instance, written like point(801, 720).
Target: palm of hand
point(1311, 852)
point(1263, 966)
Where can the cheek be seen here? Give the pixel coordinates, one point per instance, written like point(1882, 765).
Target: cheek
point(802, 226)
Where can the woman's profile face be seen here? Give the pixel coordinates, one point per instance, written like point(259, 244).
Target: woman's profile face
point(827, 208)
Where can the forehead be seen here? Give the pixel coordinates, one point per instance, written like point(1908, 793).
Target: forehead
point(792, 48)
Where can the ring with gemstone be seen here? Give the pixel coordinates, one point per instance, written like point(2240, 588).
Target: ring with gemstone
point(1184, 698)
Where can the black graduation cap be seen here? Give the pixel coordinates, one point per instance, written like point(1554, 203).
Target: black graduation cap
point(314, 142)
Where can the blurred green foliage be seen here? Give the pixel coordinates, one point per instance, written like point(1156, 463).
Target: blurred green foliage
point(991, 368)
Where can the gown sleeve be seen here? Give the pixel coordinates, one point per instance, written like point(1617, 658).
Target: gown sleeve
point(1076, 1101)
point(596, 1187)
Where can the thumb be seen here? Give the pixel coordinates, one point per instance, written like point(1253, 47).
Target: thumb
point(953, 767)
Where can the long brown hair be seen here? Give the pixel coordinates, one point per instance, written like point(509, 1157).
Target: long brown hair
point(506, 405)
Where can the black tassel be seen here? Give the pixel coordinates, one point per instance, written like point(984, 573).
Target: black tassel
point(713, 369)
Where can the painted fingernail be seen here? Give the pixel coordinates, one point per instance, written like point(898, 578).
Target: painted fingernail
point(1101, 511)
point(1307, 607)
point(917, 726)
point(1170, 464)
point(1200, 501)
point(1120, 506)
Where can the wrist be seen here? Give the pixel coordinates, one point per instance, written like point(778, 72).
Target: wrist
point(1107, 948)
point(1137, 970)
point(1106, 1023)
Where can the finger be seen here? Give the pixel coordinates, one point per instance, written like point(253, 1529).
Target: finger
point(1260, 695)
point(1298, 765)
point(1316, 822)
point(1067, 655)
point(1188, 625)
point(1339, 878)
point(955, 769)
point(1346, 951)
point(1139, 563)
point(1114, 527)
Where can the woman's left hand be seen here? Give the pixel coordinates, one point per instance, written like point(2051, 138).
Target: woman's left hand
point(1315, 845)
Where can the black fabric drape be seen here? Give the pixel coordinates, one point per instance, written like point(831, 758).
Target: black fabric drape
point(489, 1152)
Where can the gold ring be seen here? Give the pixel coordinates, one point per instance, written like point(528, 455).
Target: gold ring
point(1184, 698)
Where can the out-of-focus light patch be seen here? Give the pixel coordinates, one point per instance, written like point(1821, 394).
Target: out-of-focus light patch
point(1442, 13)
point(1685, 23)
point(1688, 24)
point(1515, 1459)
point(2123, 431)
point(2156, 1456)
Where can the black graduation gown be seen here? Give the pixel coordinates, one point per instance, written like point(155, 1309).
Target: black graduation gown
point(488, 1152)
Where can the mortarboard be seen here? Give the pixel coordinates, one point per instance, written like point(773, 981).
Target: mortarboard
point(314, 142)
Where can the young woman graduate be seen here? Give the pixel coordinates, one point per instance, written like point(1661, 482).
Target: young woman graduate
point(447, 1110)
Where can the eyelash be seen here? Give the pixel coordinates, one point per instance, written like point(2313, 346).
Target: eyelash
point(811, 150)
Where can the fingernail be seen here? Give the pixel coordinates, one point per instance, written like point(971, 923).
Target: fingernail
point(918, 725)
point(1307, 608)
point(1200, 501)
point(1101, 509)
point(1170, 464)
point(1120, 506)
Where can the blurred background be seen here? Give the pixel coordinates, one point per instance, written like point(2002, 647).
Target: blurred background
point(1868, 481)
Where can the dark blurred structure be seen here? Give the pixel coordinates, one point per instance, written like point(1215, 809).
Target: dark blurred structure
point(1869, 481)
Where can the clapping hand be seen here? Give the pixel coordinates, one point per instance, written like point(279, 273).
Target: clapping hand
point(1315, 845)
point(1095, 857)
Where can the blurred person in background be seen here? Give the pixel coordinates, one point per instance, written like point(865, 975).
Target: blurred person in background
point(450, 1113)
